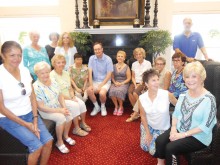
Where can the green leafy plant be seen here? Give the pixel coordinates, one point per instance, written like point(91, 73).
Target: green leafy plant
point(22, 36)
point(155, 42)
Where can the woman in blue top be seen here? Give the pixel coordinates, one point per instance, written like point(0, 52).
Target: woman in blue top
point(177, 85)
point(192, 121)
point(34, 53)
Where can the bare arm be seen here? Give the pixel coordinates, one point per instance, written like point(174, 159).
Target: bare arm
point(90, 77)
point(204, 52)
point(133, 78)
point(172, 99)
point(107, 78)
point(167, 80)
point(113, 78)
point(143, 117)
point(128, 75)
point(33, 102)
point(177, 50)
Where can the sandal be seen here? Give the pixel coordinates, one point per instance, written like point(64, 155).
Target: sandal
point(85, 127)
point(70, 141)
point(115, 112)
point(120, 112)
point(63, 149)
point(79, 132)
point(130, 119)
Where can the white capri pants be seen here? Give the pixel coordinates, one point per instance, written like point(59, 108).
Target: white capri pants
point(76, 108)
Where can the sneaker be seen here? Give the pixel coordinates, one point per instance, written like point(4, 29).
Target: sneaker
point(95, 111)
point(103, 111)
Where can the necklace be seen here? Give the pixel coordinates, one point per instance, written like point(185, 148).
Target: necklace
point(119, 66)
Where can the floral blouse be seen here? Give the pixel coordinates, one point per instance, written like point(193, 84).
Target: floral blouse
point(177, 84)
point(79, 76)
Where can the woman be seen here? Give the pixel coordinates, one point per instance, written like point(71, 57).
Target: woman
point(136, 88)
point(18, 108)
point(34, 53)
point(121, 77)
point(154, 110)
point(165, 75)
point(51, 105)
point(192, 121)
point(73, 103)
point(66, 48)
point(79, 77)
point(53, 37)
point(177, 84)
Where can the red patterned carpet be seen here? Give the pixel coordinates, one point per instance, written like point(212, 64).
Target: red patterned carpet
point(112, 141)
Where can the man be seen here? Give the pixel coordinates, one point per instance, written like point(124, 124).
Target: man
point(189, 41)
point(100, 69)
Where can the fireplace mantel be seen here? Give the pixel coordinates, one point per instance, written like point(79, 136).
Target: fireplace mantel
point(116, 31)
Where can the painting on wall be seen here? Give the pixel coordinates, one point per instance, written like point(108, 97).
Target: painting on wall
point(116, 12)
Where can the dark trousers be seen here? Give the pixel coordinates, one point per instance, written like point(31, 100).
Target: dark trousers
point(165, 149)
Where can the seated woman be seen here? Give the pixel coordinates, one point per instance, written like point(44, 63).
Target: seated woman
point(121, 77)
point(51, 105)
point(154, 110)
point(18, 108)
point(79, 77)
point(136, 88)
point(177, 84)
point(165, 75)
point(74, 104)
point(192, 121)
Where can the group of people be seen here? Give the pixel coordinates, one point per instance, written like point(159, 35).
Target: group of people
point(54, 83)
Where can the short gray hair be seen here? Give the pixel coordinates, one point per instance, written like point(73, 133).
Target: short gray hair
point(40, 66)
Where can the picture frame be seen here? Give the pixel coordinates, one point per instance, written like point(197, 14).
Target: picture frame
point(116, 12)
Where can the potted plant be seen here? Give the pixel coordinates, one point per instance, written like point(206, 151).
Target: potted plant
point(83, 43)
point(155, 42)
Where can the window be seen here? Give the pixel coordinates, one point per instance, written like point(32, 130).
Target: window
point(186, 1)
point(20, 3)
point(17, 28)
point(208, 25)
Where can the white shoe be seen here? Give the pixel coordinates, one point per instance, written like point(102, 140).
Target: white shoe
point(95, 111)
point(103, 111)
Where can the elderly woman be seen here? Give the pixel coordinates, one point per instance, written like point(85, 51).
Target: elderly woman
point(66, 48)
point(53, 37)
point(136, 88)
point(177, 84)
point(34, 53)
point(165, 75)
point(79, 77)
point(154, 110)
point(51, 105)
point(121, 77)
point(18, 108)
point(73, 103)
point(192, 121)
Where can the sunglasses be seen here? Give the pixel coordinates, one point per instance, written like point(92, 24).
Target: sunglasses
point(23, 91)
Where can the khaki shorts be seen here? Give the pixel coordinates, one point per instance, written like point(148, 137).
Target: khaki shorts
point(106, 86)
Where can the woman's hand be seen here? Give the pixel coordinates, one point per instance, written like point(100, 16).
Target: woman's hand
point(173, 132)
point(64, 111)
point(177, 136)
point(148, 139)
point(79, 90)
point(74, 99)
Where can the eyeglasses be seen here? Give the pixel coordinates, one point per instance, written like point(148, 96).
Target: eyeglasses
point(176, 60)
point(23, 91)
point(159, 64)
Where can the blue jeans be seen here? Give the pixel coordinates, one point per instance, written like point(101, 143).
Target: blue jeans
point(24, 135)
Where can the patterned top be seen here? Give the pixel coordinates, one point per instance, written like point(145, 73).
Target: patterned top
point(79, 76)
point(48, 94)
point(177, 84)
point(31, 56)
point(63, 81)
point(196, 112)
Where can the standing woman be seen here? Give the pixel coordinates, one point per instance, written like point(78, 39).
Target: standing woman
point(121, 77)
point(192, 121)
point(34, 53)
point(18, 106)
point(66, 48)
point(53, 37)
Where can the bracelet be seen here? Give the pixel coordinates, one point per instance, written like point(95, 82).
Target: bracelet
point(35, 117)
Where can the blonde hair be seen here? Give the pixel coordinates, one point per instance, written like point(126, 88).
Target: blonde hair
point(160, 59)
point(40, 66)
point(57, 57)
point(122, 53)
point(141, 50)
point(60, 42)
point(194, 67)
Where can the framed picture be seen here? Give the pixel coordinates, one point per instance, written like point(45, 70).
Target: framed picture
point(116, 12)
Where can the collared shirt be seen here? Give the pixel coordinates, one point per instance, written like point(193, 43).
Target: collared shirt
point(139, 69)
point(188, 45)
point(196, 112)
point(100, 67)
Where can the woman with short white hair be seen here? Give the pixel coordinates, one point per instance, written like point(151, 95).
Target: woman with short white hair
point(51, 105)
point(192, 121)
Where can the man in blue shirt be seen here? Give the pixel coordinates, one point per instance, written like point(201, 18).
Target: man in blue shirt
point(189, 41)
point(100, 69)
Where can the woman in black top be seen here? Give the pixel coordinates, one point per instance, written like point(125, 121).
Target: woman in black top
point(54, 37)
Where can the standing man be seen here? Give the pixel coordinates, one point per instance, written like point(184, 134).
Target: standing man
point(100, 70)
point(189, 41)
